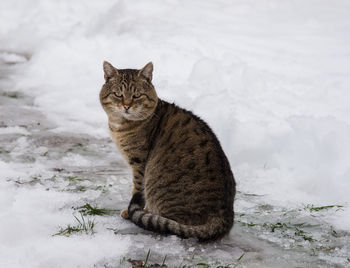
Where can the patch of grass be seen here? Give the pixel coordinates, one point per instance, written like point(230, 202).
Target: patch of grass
point(274, 226)
point(265, 208)
point(240, 258)
point(3, 151)
point(147, 257)
point(75, 147)
point(303, 234)
point(102, 188)
point(87, 209)
point(202, 264)
point(79, 188)
point(250, 195)
point(163, 263)
point(122, 260)
point(338, 233)
point(11, 94)
point(76, 184)
point(73, 178)
point(249, 224)
point(312, 208)
point(297, 229)
point(326, 249)
point(82, 226)
point(287, 228)
point(115, 231)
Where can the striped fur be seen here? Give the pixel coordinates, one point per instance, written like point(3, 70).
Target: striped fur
point(214, 228)
point(182, 180)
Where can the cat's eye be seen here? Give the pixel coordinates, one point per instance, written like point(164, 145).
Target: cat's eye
point(118, 94)
point(137, 95)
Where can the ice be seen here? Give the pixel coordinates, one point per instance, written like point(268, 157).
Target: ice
point(270, 77)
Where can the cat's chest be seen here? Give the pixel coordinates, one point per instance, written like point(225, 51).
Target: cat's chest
point(130, 142)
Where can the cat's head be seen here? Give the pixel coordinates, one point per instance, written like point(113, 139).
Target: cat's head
point(128, 94)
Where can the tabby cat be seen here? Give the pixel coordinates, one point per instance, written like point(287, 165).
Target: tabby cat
point(182, 180)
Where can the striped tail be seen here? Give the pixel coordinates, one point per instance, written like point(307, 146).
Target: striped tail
point(215, 228)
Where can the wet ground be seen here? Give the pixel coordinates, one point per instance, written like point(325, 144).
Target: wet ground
point(264, 235)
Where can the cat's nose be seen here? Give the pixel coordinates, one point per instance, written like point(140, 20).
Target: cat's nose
point(126, 107)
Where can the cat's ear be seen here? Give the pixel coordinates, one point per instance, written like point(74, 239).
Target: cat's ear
point(109, 70)
point(147, 71)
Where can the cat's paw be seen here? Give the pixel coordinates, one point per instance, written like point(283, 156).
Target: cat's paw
point(124, 214)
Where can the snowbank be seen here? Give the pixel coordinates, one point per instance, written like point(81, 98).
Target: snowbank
point(271, 78)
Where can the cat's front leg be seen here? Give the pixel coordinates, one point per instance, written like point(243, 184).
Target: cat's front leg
point(136, 187)
point(137, 179)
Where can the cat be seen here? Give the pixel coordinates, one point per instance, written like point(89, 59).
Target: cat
point(182, 180)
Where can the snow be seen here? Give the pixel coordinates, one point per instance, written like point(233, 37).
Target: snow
point(12, 58)
point(270, 77)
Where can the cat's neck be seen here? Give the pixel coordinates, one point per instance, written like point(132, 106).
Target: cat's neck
point(118, 126)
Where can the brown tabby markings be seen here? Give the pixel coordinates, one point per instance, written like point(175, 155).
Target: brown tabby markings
point(182, 180)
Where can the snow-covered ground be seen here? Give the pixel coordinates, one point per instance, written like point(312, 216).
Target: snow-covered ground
point(271, 77)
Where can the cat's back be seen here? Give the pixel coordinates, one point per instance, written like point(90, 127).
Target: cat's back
point(187, 169)
point(181, 135)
